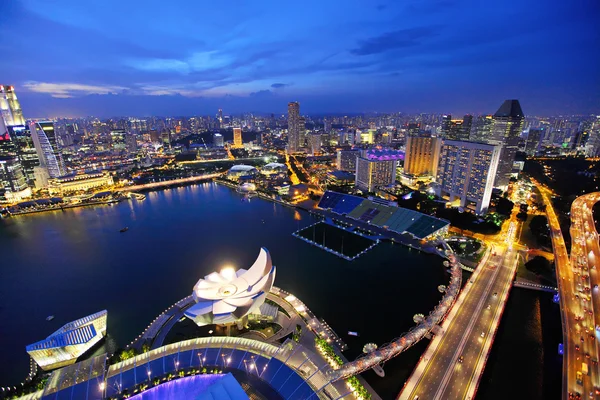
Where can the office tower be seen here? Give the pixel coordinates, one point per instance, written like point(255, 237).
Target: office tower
point(13, 182)
point(386, 138)
point(481, 130)
point(10, 107)
point(466, 173)
point(467, 124)
point(166, 138)
point(372, 173)
point(508, 123)
point(294, 128)
point(131, 142)
point(456, 129)
point(218, 140)
point(346, 160)
point(413, 128)
point(237, 138)
point(592, 145)
point(421, 155)
point(220, 116)
point(533, 141)
point(44, 141)
point(314, 143)
point(446, 122)
point(326, 125)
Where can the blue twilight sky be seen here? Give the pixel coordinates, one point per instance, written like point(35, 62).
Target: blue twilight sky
point(157, 57)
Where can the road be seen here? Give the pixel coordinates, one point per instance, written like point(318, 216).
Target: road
point(468, 332)
point(584, 303)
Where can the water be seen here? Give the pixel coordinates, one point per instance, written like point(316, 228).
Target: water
point(74, 263)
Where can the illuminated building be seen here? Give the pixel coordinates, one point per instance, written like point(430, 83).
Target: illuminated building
point(367, 137)
point(44, 141)
point(65, 345)
point(274, 168)
point(422, 155)
point(481, 131)
point(10, 107)
point(238, 171)
point(346, 160)
point(79, 182)
point(131, 142)
point(466, 172)
point(228, 296)
point(118, 139)
point(376, 168)
point(314, 143)
point(13, 182)
point(237, 138)
point(218, 140)
point(294, 127)
point(26, 151)
point(508, 123)
point(534, 138)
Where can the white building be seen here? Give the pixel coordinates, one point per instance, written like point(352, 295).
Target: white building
point(371, 173)
point(65, 345)
point(466, 173)
point(229, 296)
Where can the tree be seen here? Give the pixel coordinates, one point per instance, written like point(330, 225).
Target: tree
point(522, 216)
point(539, 265)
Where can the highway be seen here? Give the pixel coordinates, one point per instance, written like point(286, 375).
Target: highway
point(452, 365)
point(584, 303)
point(578, 340)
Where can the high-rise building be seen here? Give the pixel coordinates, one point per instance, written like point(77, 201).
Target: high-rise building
point(44, 141)
point(237, 138)
point(13, 181)
point(218, 140)
point(421, 155)
point(346, 160)
point(118, 139)
point(10, 107)
point(131, 142)
point(467, 124)
point(314, 143)
point(446, 123)
point(533, 141)
point(466, 173)
point(508, 123)
point(481, 130)
point(327, 125)
point(294, 128)
point(455, 130)
point(372, 173)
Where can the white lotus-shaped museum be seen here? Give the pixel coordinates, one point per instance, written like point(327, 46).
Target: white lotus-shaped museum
point(229, 295)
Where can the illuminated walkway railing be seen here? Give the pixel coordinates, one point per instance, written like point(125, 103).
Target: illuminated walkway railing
point(414, 335)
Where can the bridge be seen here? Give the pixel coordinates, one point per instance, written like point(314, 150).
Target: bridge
point(171, 182)
point(414, 335)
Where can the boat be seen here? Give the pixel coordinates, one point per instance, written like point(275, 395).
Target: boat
point(351, 333)
point(124, 229)
point(49, 317)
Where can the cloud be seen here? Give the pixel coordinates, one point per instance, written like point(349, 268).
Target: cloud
point(66, 90)
point(279, 85)
point(401, 38)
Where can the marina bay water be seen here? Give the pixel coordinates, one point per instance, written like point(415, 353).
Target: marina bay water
point(73, 263)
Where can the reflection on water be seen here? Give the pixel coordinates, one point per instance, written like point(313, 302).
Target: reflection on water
point(74, 263)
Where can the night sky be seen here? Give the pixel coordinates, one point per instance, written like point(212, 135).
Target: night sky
point(149, 57)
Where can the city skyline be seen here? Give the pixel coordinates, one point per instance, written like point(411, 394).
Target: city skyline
point(387, 57)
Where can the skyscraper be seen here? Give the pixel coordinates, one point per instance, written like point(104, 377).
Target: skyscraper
point(374, 172)
point(346, 160)
point(481, 130)
point(421, 155)
point(218, 140)
point(533, 140)
point(314, 143)
point(467, 124)
point(508, 123)
point(10, 107)
point(45, 144)
point(294, 128)
point(466, 173)
point(13, 182)
point(237, 138)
